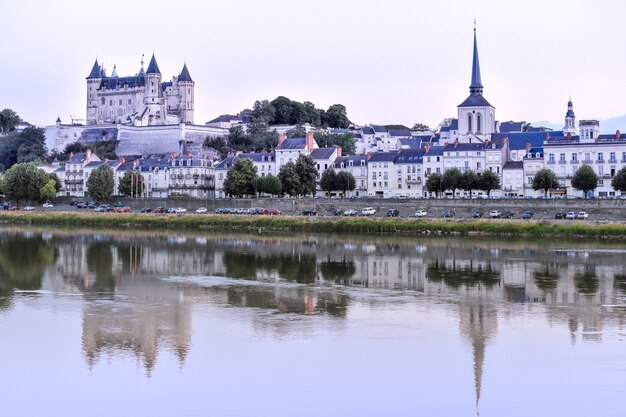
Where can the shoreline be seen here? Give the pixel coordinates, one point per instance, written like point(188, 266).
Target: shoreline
point(360, 225)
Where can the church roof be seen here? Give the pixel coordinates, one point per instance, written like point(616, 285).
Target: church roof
point(153, 68)
point(475, 100)
point(95, 71)
point(184, 75)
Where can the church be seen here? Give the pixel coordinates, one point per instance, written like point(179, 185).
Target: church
point(142, 99)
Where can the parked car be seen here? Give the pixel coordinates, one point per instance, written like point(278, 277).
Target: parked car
point(368, 211)
point(102, 208)
point(477, 213)
point(80, 205)
point(122, 210)
point(507, 214)
point(393, 212)
point(146, 210)
point(560, 215)
point(92, 205)
point(528, 215)
point(181, 210)
point(28, 208)
point(309, 212)
point(159, 210)
point(570, 215)
point(271, 212)
point(421, 213)
point(336, 212)
point(5, 206)
point(350, 212)
point(171, 210)
point(47, 205)
point(495, 214)
point(201, 210)
point(118, 204)
point(582, 215)
point(448, 213)
point(14, 208)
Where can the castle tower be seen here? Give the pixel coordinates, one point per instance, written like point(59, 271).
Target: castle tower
point(94, 79)
point(186, 87)
point(570, 119)
point(153, 98)
point(476, 115)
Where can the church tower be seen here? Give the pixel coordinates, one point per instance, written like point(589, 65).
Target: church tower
point(476, 116)
point(153, 97)
point(186, 86)
point(94, 79)
point(570, 120)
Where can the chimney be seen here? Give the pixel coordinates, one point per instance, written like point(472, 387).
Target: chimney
point(369, 156)
point(189, 154)
point(338, 151)
point(88, 156)
point(528, 146)
point(121, 160)
point(309, 141)
point(136, 162)
point(456, 143)
point(281, 138)
point(547, 136)
point(71, 155)
point(174, 155)
point(618, 134)
point(569, 136)
point(445, 144)
point(427, 147)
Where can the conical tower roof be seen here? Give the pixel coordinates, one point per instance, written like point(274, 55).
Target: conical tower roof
point(95, 71)
point(476, 87)
point(184, 74)
point(153, 68)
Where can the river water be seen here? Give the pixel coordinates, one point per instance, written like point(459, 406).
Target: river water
point(102, 323)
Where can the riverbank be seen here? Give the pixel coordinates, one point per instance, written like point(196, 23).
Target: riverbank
point(358, 225)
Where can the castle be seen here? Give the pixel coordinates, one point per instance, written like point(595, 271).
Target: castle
point(139, 100)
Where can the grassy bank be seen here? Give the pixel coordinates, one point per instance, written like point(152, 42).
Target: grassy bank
point(322, 224)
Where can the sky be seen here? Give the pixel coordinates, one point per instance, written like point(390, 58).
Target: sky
point(388, 62)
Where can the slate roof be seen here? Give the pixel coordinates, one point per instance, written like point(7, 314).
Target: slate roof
point(367, 131)
point(292, 144)
point(358, 136)
point(153, 68)
point(410, 156)
point(610, 138)
point(533, 152)
point(184, 75)
point(454, 125)
point(225, 163)
point(95, 71)
point(78, 158)
point(464, 147)
point(356, 159)
point(322, 153)
point(337, 131)
point(383, 157)
point(258, 157)
point(412, 143)
point(517, 140)
point(379, 129)
point(435, 151)
point(339, 160)
point(111, 83)
point(513, 165)
point(475, 100)
point(506, 127)
point(400, 133)
point(93, 164)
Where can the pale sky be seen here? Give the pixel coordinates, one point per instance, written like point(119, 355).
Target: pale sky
point(393, 61)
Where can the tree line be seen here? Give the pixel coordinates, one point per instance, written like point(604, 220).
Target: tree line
point(453, 179)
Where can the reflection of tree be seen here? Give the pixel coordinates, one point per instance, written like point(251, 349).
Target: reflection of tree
point(338, 272)
point(620, 282)
point(100, 262)
point(300, 267)
point(130, 255)
point(23, 261)
point(468, 275)
point(586, 282)
point(546, 280)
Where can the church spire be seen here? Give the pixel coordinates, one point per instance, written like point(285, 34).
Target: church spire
point(476, 87)
point(153, 68)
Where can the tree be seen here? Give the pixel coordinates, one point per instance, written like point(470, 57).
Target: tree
point(33, 145)
point(298, 132)
point(269, 184)
point(312, 114)
point(24, 182)
point(307, 174)
point(131, 184)
point(8, 120)
point(57, 181)
point(619, 180)
point(469, 181)
point(328, 180)
point(238, 139)
point(345, 141)
point(451, 180)
point(420, 127)
point(217, 143)
point(336, 116)
point(488, 181)
point(445, 122)
point(283, 108)
point(434, 184)
point(48, 191)
point(585, 179)
point(263, 112)
point(241, 179)
point(289, 179)
point(100, 183)
point(265, 141)
point(345, 182)
point(545, 180)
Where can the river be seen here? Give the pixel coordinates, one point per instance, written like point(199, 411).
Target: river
point(101, 323)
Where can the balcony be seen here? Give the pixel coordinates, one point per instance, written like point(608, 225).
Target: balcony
point(413, 180)
point(74, 181)
point(551, 162)
point(600, 161)
point(587, 161)
point(612, 161)
point(562, 161)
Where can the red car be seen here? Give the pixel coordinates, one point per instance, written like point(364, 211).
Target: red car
point(271, 212)
point(159, 210)
point(122, 210)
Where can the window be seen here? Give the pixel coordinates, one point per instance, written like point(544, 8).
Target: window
point(600, 183)
point(600, 169)
point(103, 101)
point(574, 157)
point(623, 156)
point(469, 123)
point(562, 157)
point(600, 157)
point(587, 156)
point(110, 102)
point(612, 156)
point(478, 124)
point(120, 102)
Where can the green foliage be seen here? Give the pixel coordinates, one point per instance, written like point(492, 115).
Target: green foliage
point(420, 127)
point(345, 141)
point(469, 181)
point(27, 146)
point(328, 179)
point(307, 174)
point(396, 127)
point(241, 179)
point(298, 132)
point(104, 149)
point(24, 182)
point(218, 143)
point(269, 184)
point(488, 181)
point(289, 179)
point(345, 182)
point(545, 180)
point(8, 120)
point(434, 184)
point(451, 180)
point(258, 139)
point(57, 181)
point(100, 183)
point(585, 179)
point(282, 110)
point(131, 184)
point(48, 191)
point(336, 116)
point(619, 180)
